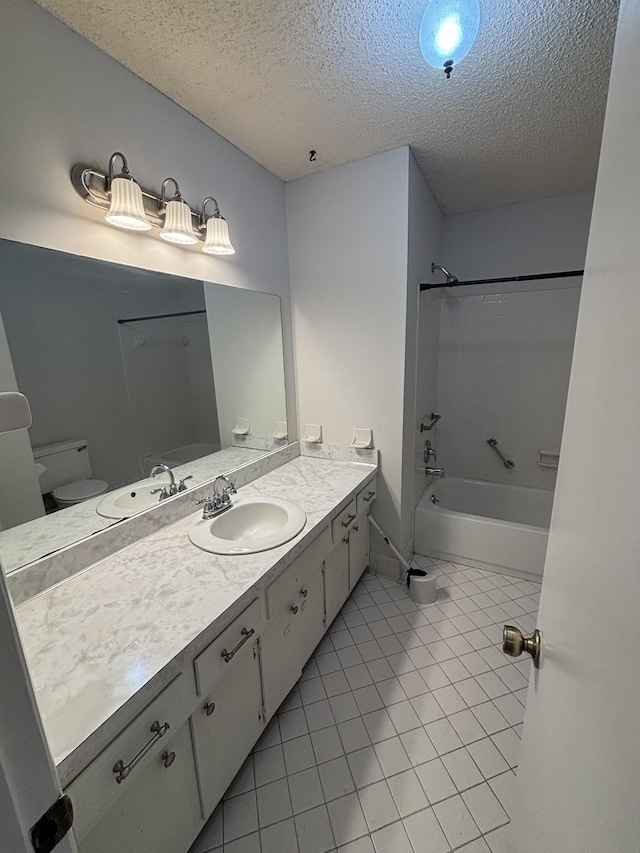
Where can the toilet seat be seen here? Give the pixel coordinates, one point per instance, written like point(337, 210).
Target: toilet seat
point(81, 490)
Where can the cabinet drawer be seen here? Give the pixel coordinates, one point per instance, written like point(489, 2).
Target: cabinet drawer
point(95, 790)
point(285, 586)
point(343, 522)
point(213, 661)
point(366, 497)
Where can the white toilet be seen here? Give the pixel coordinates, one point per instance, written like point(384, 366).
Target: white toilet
point(67, 472)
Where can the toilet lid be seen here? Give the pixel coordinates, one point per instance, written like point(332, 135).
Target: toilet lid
point(81, 490)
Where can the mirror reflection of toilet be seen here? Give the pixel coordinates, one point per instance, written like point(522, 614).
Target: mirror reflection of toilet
point(67, 473)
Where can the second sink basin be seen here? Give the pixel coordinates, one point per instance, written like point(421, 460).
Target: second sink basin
point(248, 526)
point(129, 500)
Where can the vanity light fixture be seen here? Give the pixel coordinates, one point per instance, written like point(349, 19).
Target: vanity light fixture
point(177, 217)
point(448, 31)
point(130, 206)
point(126, 209)
point(217, 231)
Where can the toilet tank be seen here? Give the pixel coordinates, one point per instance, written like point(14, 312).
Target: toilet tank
point(65, 461)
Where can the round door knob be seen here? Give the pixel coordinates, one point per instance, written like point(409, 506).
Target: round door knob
point(168, 758)
point(514, 643)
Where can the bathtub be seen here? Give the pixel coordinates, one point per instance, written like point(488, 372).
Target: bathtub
point(486, 525)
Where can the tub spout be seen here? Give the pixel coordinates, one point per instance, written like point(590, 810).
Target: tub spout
point(434, 472)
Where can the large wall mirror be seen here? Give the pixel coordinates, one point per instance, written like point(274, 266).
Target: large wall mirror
point(127, 372)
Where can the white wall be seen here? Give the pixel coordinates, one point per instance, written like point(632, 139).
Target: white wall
point(64, 101)
point(504, 351)
point(348, 267)
point(359, 238)
point(246, 346)
point(425, 226)
point(503, 372)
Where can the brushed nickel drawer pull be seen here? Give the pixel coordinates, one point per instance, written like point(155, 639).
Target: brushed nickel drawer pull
point(168, 758)
point(123, 770)
point(369, 496)
point(348, 520)
point(209, 708)
point(245, 636)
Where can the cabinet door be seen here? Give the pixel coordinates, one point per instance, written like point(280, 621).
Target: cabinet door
point(310, 626)
point(358, 549)
point(227, 724)
point(281, 666)
point(336, 579)
point(159, 812)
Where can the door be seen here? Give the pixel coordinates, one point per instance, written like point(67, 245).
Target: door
point(29, 784)
point(227, 724)
point(336, 579)
point(358, 549)
point(159, 811)
point(579, 780)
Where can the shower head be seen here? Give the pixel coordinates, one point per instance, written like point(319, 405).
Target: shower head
point(451, 279)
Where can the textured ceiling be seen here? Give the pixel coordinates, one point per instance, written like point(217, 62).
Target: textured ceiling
point(521, 117)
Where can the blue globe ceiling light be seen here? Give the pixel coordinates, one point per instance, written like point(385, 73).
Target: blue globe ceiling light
point(448, 31)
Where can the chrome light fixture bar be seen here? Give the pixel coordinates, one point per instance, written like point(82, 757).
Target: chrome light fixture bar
point(130, 206)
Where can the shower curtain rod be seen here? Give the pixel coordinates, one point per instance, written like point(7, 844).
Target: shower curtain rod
point(539, 277)
point(160, 316)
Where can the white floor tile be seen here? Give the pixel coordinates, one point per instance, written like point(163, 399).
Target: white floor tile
point(404, 717)
point(449, 699)
point(269, 765)
point(392, 756)
point(344, 707)
point(293, 724)
point(488, 757)
point(511, 708)
point(425, 833)
point(305, 790)
point(408, 793)
point(240, 816)
point(247, 844)
point(312, 690)
point(477, 846)
point(391, 691)
point(378, 805)
point(436, 781)
point(467, 726)
point(336, 780)
point(490, 717)
point(508, 743)
point(354, 734)
point(485, 808)
point(499, 840)
point(462, 769)
point(314, 831)
point(392, 838)
point(418, 746)
point(347, 819)
point(319, 715)
point(443, 736)
point(365, 767)
point(427, 708)
point(274, 803)
point(279, 837)
point(456, 821)
point(368, 699)
point(503, 787)
point(298, 754)
point(326, 744)
point(362, 845)
point(379, 726)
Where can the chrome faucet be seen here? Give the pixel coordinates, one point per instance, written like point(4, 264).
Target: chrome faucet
point(434, 472)
point(173, 489)
point(220, 500)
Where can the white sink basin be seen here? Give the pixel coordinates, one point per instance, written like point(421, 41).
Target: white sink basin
point(249, 526)
point(129, 500)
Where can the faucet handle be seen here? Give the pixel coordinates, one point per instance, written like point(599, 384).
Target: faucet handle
point(181, 484)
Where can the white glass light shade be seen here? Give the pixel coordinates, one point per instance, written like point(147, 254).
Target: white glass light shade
point(126, 209)
point(218, 242)
point(178, 227)
point(448, 30)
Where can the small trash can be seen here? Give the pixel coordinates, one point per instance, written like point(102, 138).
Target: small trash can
point(422, 586)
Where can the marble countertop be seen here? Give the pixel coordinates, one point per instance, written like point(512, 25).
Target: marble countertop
point(101, 644)
point(34, 539)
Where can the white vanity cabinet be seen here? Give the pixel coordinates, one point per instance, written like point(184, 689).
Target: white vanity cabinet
point(295, 602)
point(336, 578)
point(159, 811)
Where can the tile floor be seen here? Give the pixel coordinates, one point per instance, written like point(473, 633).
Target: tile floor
point(402, 734)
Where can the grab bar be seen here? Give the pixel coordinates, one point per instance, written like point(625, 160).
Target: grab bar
point(429, 427)
point(493, 444)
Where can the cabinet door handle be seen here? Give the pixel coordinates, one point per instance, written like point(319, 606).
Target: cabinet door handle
point(123, 770)
point(304, 593)
point(348, 520)
point(369, 496)
point(209, 708)
point(346, 539)
point(245, 636)
point(168, 758)
point(294, 609)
